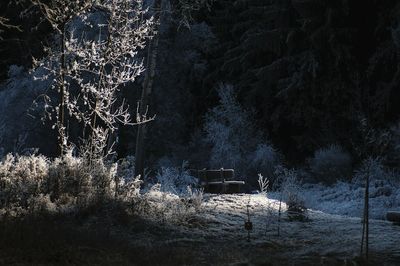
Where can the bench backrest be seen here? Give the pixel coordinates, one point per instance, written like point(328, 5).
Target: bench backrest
point(216, 175)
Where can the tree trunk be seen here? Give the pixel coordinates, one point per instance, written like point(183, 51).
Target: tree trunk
point(146, 91)
point(365, 228)
point(61, 105)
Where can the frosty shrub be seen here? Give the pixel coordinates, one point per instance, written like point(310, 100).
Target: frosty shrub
point(331, 164)
point(36, 185)
point(263, 184)
point(167, 207)
point(21, 177)
point(126, 168)
point(127, 184)
point(290, 187)
point(87, 181)
point(175, 179)
point(68, 184)
point(194, 197)
point(128, 189)
point(40, 204)
point(264, 160)
point(67, 177)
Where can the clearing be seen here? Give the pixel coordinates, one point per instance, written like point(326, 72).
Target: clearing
point(218, 235)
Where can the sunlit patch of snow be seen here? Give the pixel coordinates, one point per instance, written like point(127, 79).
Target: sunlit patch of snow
point(321, 233)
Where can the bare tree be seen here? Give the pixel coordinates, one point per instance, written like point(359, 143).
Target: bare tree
point(101, 66)
point(89, 72)
point(59, 13)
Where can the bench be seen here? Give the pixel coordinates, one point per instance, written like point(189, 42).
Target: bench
point(393, 216)
point(219, 181)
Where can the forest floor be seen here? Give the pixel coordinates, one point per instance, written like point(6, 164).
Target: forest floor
point(214, 236)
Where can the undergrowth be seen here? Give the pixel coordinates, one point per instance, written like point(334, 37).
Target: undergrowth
point(35, 186)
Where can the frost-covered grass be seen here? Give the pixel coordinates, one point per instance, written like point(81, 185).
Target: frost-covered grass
point(71, 211)
point(219, 238)
point(84, 205)
point(348, 198)
point(36, 185)
point(97, 213)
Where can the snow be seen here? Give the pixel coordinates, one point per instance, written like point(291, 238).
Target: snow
point(216, 235)
point(348, 199)
point(321, 233)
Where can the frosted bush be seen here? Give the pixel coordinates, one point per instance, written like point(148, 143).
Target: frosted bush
point(68, 176)
point(265, 159)
point(126, 168)
point(167, 207)
point(330, 164)
point(21, 177)
point(129, 189)
point(290, 188)
point(41, 204)
point(36, 185)
point(15, 71)
point(263, 184)
point(104, 179)
point(195, 197)
point(175, 180)
point(31, 167)
point(70, 183)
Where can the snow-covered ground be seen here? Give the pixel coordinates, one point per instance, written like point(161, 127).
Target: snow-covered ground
point(348, 199)
point(319, 238)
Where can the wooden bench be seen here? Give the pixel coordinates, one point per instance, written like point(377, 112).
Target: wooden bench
point(219, 181)
point(393, 216)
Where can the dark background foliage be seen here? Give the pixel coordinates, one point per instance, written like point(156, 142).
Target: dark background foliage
point(312, 72)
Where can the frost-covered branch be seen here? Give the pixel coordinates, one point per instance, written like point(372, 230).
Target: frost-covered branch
point(96, 57)
point(186, 8)
point(5, 24)
point(59, 14)
point(101, 66)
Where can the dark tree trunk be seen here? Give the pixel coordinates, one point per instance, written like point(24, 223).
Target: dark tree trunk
point(61, 114)
point(146, 92)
